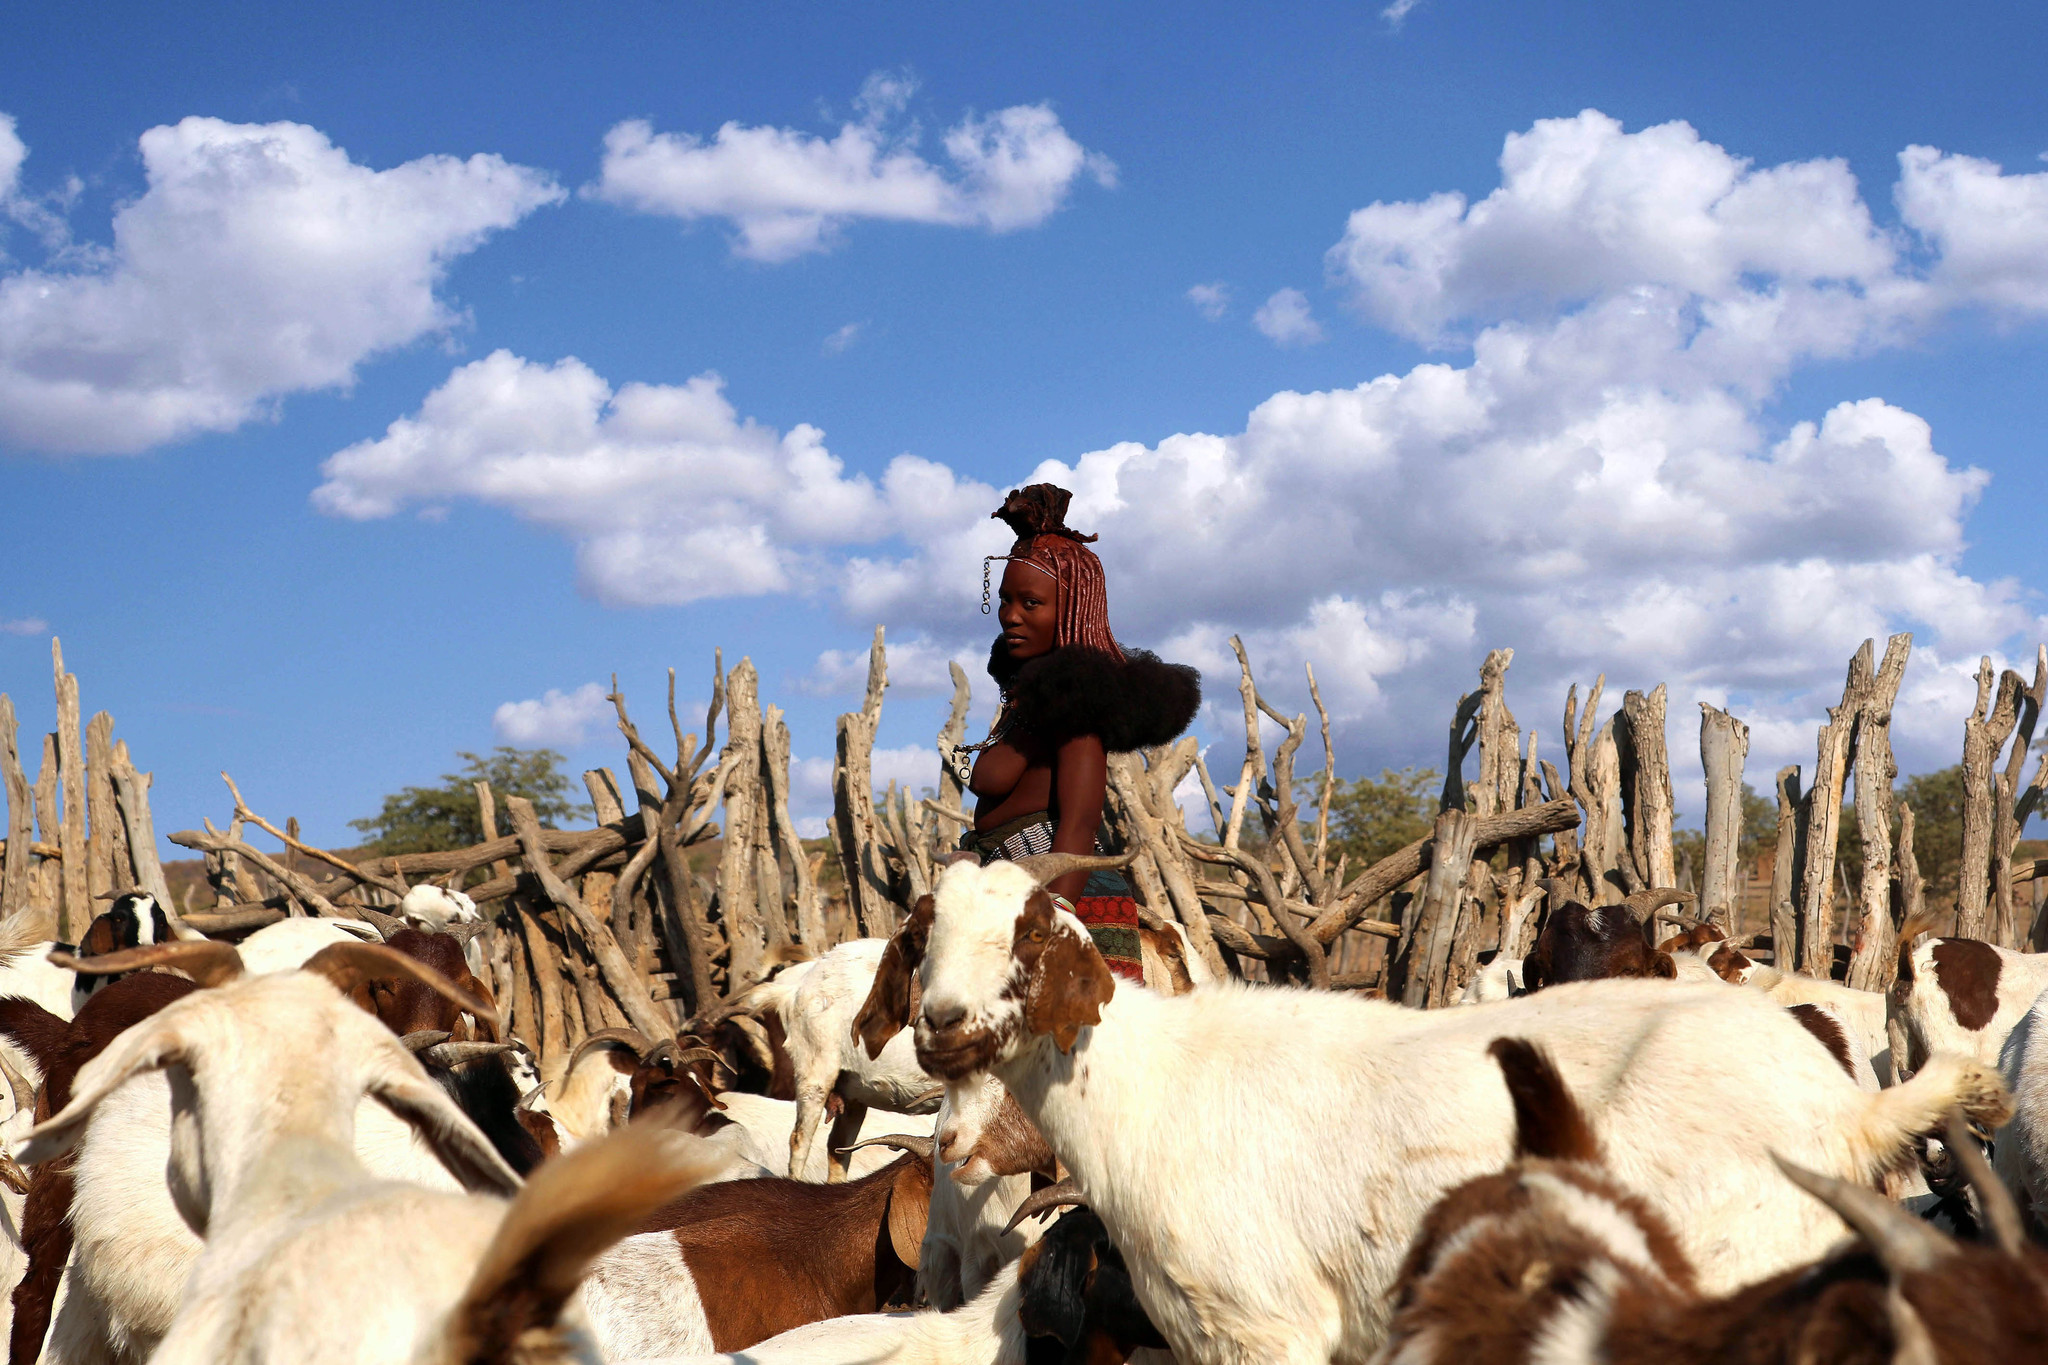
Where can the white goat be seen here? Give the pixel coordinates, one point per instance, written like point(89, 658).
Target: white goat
point(1246, 1248)
point(262, 1164)
point(433, 908)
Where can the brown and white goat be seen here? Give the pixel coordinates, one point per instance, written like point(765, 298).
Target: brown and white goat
point(1553, 1261)
point(1960, 995)
point(1383, 1108)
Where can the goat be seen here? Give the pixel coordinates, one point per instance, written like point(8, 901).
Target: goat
point(263, 1167)
point(1134, 1091)
point(1959, 995)
point(734, 1263)
point(971, 1232)
point(1554, 1261)
point(1590, 943)
point(132, 1246)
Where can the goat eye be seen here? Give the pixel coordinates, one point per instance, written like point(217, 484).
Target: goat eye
point(1036, 936)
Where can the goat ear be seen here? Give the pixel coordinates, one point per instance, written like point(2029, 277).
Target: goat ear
point(1069, 986)
point(1662, 965)
point(886, 1011)
point(910, 1202)
point(400, 1086)
point(151, 1045)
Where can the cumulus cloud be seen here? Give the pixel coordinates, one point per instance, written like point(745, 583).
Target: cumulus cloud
point(787, 193)
point(1595, 479)
point(841, 338)
point(258, 261)
point(668, 493)
point(555, 719)
point(1285, 319)
point(24, 625)
point(1211, 300)
point(917, 667)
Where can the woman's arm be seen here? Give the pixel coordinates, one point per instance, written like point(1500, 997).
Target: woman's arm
point(1080, 777)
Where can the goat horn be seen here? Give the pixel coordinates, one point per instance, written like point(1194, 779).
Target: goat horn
point(385, 925)
point(419, 1042)
point(463, 930)
point(695, 1054)
point(1999, 1209)
point(1644, 903)
point(348, 965)
point(919, 1147)
point(448, 1056)
point(1046, 867)
point(12, 1176)
point(207, 962)
point(17, 1085)
point(1902, 1242)
point(1045, 1201)
point(630, 1038)
point(936, 1092)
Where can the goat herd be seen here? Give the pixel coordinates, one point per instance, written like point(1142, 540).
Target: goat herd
point(314, 1146)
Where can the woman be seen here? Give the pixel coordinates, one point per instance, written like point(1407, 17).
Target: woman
point(1071, 696)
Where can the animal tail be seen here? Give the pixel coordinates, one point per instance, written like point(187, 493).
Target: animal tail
point(1917, 923)
point(33, 1029)
point(1894, 1119)
point(571, 1211)
point(19, 934)
point(1548, 1121)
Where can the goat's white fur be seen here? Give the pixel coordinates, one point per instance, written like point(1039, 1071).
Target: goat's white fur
point(1931, 1025)
point(1861, 1013)
point(262, 1164)
point(1283, 1249)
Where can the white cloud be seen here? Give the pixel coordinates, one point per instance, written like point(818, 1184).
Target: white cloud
point(1986, 226)
point(1285, 319)
point(842, 338)
point(1597, 481)
point(1396, 13)
point(556, 719)
point(259, 261)
point(788, 192)
point(1212, 300)
point(917, 667)
point(669, 495)
point(25, 625)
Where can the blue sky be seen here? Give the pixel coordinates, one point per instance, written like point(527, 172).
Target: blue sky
point(1600, 464)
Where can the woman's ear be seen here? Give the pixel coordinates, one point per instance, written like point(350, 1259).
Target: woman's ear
point(888, 1007)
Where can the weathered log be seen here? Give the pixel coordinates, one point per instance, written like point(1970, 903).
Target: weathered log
point(1452, 847)
point(1724, 744)
point(1990, 723)
point(106, 842)
point(951, 736)
point(740, 902)
point(619, 975)
point(1308, 950)
point(1499, 782)
point(47, 898)
point(296, 884)
point(1823, 820)
point(1874, 960)
point(76, 912)
point(1157, 833)
point(1253, 770)
point(16, 885)
point(131, 791)
point(810, 905)
point(853, 789)
point(1645, 789)
point(597, 886)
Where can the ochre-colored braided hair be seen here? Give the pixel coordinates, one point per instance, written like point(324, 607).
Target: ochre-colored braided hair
point(1038, 514)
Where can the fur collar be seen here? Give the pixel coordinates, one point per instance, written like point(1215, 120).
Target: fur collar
point(1135, 704)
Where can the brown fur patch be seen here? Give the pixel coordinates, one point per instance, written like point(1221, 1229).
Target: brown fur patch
point(1166, 944)
point(1728, 964)
point(1067, 982)
point(1548, 1121)
point(1011, 1144)
point(1967, 973)
point(890, 1004)
point(771, 1254)
point(1824, 1027)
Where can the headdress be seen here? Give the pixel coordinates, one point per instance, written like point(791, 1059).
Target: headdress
point(1038, 514)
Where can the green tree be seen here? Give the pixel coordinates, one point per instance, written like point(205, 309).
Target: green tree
point(430, 819)
point(1371, 817)
point(1937, 802)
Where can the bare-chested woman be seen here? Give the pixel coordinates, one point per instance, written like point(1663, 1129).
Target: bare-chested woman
point(1071, 697)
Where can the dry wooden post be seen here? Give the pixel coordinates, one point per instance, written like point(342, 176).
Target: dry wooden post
point(1724, 744)
point(1254, 769)
point(1823, 812)
point(1990, 723)
point(1791, 853)
point(597, 886)
point(2015, 802)
point(106, 841)
point(739, 901)
point(77, 899)
point(770, 896)
point(1645, 788)
point(1595, 763)
point(131, 790)
point(810, 905)
point(951, 736)
point(1872, 961)
point(47, 893)
point(1157, 827)
point(16, 885)
point(853, 805)
point(1435, 917)
point(1500, 739)
point(1912, 890)
point(626, 985)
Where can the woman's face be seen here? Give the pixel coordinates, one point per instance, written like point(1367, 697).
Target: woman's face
point(1030, 610)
